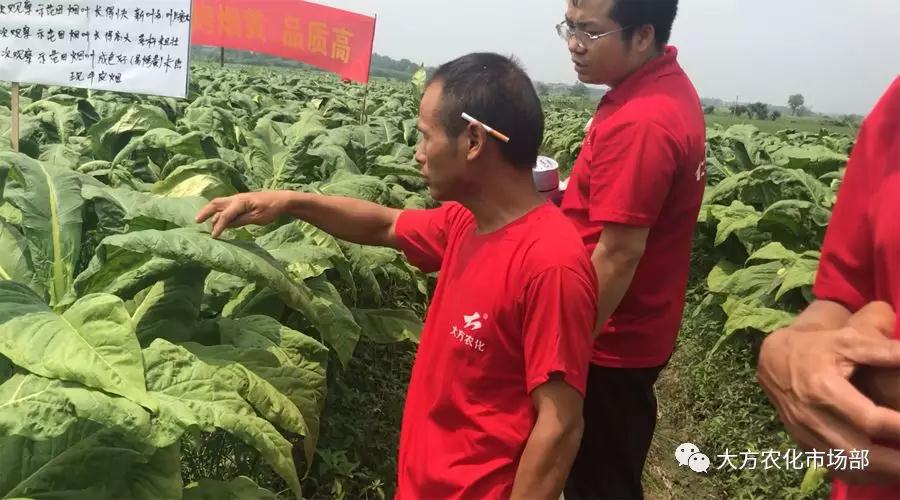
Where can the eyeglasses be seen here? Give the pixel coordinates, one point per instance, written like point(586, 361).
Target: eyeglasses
point(584, 38)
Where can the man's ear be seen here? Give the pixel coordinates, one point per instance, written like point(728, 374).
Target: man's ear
point(475, 138)
point(645, 37)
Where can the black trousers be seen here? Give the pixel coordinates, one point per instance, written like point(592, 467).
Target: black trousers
point(619, 421)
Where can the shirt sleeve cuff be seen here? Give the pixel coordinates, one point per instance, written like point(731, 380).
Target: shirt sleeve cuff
point(577, 383)
point(619, 217)
point(841, 293)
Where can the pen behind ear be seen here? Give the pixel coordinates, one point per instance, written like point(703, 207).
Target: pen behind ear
point(489, 130)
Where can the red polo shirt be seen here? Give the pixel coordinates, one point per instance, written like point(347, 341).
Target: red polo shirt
point(511, 308)
point(861, 255)
point(643, 164)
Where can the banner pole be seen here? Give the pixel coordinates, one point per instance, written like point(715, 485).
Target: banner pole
point(221, 57)
point(362, 116)
point(14, 108)
point(362, 119)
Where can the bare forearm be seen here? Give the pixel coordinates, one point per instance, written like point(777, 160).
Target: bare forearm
point(822, 315)
point(614, 276)
point(349, 219)
point(546, 461)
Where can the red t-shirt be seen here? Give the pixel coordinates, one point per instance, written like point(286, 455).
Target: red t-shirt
point(511, 308)
point(643, 164)
point(861, 255)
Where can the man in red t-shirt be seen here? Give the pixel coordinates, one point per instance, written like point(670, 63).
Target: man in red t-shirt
point(849, 336)
point(634, 196)
point(494, 405)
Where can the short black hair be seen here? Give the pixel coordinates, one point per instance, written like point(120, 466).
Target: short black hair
point(496, 91)
point(634, 14)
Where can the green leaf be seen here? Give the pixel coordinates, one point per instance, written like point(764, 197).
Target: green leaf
point(191, 395)
point(797, 221)
point(67, 466)
point(112, 134)
point(65, 119)
point(323, 158)
point(365, 261)
point(6, 369)
point(93, 343)
point(754, 282)
point(308, 252)
point(801, 274)
point(51, 204)
point(744, 139)
point(386, 326)
point(218, 122)
point(299, 372)
point(170, 309)
point(732, 219)
point(117, 271)
point(254, 299)
point(205, 178)
point(813, 479)
point(61, 155)
point(219, 289)
point(116, 207)
point(159, 478)
point(362, 187)
point(815, 159)
point(161, 144)
point(265, 398)
point(15, 261)
point(343, 332)
point(765, 185)
point(132, 254)
point(10, 214)
point(273, 164)
point(39, 408)
point(239, 488)
point(750, 315)
point(419, 79)
point(772, 252)
point(388, 165)
point(308, 261)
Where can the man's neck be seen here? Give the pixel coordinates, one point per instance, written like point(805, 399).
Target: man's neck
point(502, 199)
point(645, 60)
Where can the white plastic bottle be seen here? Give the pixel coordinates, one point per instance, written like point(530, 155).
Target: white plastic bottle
point(546, 178)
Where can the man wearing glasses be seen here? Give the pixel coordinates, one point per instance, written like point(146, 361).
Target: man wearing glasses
point(634, 196)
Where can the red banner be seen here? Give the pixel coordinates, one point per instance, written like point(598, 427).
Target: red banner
point(325, 37)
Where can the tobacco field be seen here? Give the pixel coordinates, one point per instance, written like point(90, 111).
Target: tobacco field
point(140, 358)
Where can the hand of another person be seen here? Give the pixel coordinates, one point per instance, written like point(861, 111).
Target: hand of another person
point(807, 375)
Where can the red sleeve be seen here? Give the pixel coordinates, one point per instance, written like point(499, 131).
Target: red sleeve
point(423, 234)
point(631, 174)
point(846, 268)
point(560, 310)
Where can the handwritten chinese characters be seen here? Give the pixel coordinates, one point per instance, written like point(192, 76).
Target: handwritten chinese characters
point(100, 44)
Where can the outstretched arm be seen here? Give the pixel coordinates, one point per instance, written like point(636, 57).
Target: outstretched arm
point(349, 219)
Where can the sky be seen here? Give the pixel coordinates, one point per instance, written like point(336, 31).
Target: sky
point(840, 54)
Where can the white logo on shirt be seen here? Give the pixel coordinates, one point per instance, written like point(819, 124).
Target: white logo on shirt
point(701, 171)
point(472, 322)
point(464, 338)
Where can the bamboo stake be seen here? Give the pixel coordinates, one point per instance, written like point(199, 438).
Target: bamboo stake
point(362, 117)
point(14, 129)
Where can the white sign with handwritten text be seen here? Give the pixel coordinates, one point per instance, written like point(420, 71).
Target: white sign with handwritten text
point(135, 46)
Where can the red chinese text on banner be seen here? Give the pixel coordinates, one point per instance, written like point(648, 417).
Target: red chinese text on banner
point(328, 38)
